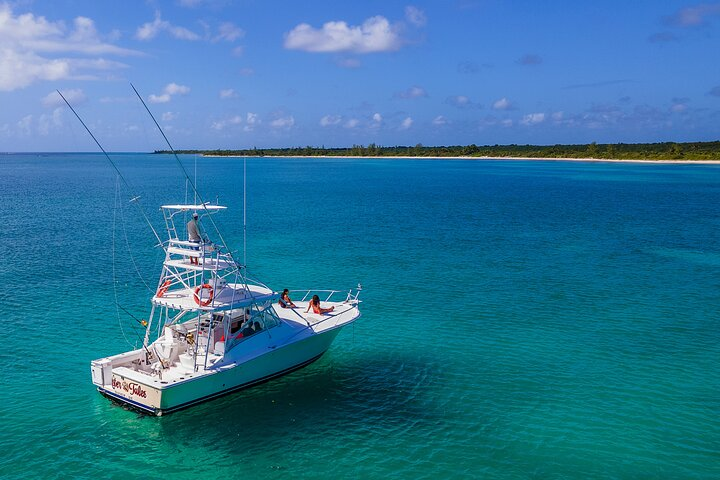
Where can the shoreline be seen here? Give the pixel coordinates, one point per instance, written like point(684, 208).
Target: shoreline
point(544, 159)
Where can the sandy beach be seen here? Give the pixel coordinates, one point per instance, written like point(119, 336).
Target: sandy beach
point(553, 159)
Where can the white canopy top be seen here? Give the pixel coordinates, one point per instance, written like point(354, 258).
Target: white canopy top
point(207, 206)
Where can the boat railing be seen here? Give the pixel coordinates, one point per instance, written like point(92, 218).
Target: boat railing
point(341, 296)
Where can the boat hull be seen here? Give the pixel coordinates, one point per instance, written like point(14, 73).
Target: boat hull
point(221, 381)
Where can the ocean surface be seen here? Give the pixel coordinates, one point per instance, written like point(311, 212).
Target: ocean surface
point(521, 319)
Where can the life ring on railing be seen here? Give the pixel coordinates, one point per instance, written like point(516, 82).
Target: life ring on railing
point(196, 295)
point(163, 288)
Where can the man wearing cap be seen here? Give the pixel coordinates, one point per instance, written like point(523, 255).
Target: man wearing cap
point(194, 234)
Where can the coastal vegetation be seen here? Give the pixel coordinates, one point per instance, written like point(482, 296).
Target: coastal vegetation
point(620, 151)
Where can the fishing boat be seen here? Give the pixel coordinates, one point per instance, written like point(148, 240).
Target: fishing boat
point(213, 330)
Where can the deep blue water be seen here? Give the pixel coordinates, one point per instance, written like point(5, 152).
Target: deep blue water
point(520, 319)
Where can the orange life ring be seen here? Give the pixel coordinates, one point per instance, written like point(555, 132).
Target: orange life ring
point(196, 295)
point(163, 288)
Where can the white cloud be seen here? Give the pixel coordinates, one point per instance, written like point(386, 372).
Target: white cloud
point(221, 124)
point(246, 72)
point(329, 120)
point(251, 121)
point(24, 124)
point(533, 119)
point(377, 118)
point(47, 122)
point(238, 51)
point(376, 34)
point(169, 91)
point(412, 92)
point(440, 120)
point(150, 30)
point(229, 32)
point(175, 89)
point(169, 116)
point(502, 104)
point(506, 123)
point(695, 15)
point(352, 123)
point(164, 98)
point(30, 45)
point(407, 123)
point(348, 62)
point(283, 122)
point(74, 95)
point(460, 101)
point(558, 116)
point(228, 93)
point(415, 16)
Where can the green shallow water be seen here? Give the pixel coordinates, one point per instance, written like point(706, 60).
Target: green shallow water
point(520, 319)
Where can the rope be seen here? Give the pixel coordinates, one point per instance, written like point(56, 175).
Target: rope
point(117, 303)
point(142, 212)
point(127, 244)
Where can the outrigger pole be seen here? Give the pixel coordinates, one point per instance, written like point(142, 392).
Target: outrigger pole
point(187, 177)
point(135, 198)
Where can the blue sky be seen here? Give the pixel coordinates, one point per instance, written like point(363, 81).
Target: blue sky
point(243, 74)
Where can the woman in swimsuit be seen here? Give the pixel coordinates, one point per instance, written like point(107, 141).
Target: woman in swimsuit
point(285, 301)
point(315, 304)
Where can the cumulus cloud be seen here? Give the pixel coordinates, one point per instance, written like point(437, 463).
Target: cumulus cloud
point(149, 30)
point(74, 95)
point(530, 59)
point(406, 124)
point(533, 119)
point(377, 118)
point(415, 16)
point(169, 116)
point(24, 124)
point(283, 122)
point(461, 101)
point(32, 48)
point(329, 120)
point(222, 124)
point(352, 123)
point(348, 62)
point(679, 105)
point(251, 121)
point(228, 32)
point(169, 91)
point(46, 122)
point(502, 104)
point(694, 16)
point(412, 92)
point(228, 93)
point(376, 34)
point(440, 121)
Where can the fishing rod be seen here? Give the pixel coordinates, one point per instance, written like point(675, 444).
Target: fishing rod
point(135, 198)
point(187, 176)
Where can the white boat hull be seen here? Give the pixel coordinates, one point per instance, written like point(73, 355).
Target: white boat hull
point(221, 381)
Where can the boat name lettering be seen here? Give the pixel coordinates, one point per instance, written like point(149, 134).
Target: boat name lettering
point(131, 387)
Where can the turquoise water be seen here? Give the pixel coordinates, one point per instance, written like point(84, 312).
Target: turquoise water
point(521, 319)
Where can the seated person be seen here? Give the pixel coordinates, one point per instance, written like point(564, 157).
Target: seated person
point(285, 301)
point(315, 304)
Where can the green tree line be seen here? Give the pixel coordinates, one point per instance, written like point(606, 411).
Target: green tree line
point(621, 151)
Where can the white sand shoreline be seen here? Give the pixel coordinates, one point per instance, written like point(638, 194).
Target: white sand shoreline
point(546, 159)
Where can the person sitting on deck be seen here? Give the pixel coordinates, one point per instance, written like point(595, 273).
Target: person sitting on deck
point(194, 235)
point(315, 304)
point(285, 301)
